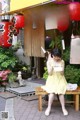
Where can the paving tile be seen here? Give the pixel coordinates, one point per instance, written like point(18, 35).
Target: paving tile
point(36, 118)
point(29, 111)
point(2, 104)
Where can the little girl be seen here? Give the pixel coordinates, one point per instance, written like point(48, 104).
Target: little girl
point(56, 82)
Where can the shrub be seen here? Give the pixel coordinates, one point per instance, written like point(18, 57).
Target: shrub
point(8, 60)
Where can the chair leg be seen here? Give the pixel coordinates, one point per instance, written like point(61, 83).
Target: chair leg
point(77, 102)
point(40, 102)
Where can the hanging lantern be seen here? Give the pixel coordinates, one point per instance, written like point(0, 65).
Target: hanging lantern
point(18, 21)
point(15, 31)
point(74, 11)
point(6, 33)
point(63, 23)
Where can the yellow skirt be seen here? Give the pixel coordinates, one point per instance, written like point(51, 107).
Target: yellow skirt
point(56, 83)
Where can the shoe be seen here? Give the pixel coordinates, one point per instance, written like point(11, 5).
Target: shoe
point(47, 112)
point(65, 112)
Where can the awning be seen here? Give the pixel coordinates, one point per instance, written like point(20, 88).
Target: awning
point(21, 5)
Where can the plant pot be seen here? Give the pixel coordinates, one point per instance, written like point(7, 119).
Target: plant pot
point(25, 74)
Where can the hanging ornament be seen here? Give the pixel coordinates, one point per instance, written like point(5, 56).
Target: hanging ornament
point(72, 36)
point(63, 23)
point(74, 11)
point(6, 33)
point(15, 31)
point(63, 44)
point(18, 21)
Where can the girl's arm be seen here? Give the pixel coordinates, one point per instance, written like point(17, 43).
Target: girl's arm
point(49, 65)
point(63, 65)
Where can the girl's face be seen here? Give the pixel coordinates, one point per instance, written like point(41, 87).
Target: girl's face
point(56, 58)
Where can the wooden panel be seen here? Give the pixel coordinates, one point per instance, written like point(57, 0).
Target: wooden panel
point(34, 33)
point(41, 36)
point(35, 43)
point(27, 34)
point(38, 38)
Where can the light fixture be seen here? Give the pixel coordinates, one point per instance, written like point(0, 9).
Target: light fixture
point(34, 26)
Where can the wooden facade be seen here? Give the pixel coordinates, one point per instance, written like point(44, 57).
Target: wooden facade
point(35, 30)
point(34, 34)
point(35, 27)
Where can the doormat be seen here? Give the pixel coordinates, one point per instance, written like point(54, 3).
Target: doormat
point(7, 95)
point(30, 98)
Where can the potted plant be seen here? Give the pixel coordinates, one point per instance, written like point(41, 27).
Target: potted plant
point(11, 79)
point(26, 73)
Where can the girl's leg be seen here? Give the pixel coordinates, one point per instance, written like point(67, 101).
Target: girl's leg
point(62, 101)
point(50, 100)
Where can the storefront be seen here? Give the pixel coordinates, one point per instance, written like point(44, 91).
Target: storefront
point(40, 22)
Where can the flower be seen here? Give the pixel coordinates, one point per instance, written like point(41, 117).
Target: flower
point(4, 77)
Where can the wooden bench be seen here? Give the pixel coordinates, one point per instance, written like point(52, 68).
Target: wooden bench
point(40, 92)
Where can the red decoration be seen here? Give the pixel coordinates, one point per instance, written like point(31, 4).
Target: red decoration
point(5, 33)
point(15, 31)
point(19, 21)
point(74, 10)
point(63, 23)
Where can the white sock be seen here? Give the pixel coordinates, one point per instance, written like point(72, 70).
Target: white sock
point(65, 112)
point(47, 112)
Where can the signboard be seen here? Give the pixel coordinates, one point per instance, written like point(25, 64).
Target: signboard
point(75, 51)
point(51, 23)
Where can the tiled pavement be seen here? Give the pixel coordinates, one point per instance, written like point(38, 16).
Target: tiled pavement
point(28, 110)
point(2, 104)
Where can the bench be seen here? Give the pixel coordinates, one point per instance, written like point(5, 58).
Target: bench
point(40, 92)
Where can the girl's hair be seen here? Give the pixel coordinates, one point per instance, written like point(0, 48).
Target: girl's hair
point(56, 52)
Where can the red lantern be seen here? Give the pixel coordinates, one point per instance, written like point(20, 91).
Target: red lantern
point(15, 31)
point(19, 21)
point(5, 33)
point(74, 10)
point(63, 23)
